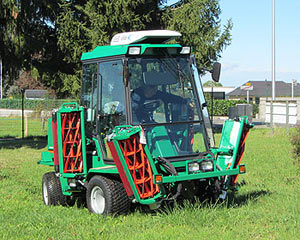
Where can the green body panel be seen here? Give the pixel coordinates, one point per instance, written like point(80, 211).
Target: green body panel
point(225, 154)
point(124, 132)
point(47, 159)
point(105, 169)
point(158, 140)
point(229, 143)
point(65, 186)
point(50, 137)
point(68, 108)
point(118, 135)
point(109, 51)
point(98, 167)
point(185, 177)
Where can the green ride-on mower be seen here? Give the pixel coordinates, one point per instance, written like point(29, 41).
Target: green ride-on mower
point(141, 133)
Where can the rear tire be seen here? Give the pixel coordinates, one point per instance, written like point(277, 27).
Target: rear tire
point(52, 192)
point(106, 196)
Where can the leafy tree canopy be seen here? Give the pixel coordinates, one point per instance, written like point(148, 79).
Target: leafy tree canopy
point(198, 22)
point(212, 84)
point(50, 36)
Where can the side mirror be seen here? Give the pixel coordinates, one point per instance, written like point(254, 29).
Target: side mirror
point(215, 73)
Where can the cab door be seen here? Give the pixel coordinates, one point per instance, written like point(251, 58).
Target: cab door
point(111, 100)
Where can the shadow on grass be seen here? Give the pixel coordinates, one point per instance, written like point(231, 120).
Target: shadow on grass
point(244, 199)
point(35, 142)
point(169, 208)
point(232, 201)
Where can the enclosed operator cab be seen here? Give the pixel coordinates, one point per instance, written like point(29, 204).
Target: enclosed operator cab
point(155, 86)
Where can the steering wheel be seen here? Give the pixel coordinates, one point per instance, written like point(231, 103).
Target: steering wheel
point(151, 105)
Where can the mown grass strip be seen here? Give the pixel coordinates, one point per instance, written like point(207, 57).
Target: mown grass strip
point(267, 205)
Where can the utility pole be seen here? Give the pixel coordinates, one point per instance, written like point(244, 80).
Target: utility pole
point(273, 67)
point(273, 52)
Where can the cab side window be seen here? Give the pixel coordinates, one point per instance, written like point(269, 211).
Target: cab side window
point(89, 94)
point(111, 107)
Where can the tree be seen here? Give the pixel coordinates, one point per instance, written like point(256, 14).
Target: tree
point(28, 36)
point(212, 84)
point(84, 25)
point(199, 23)
point(50, 36)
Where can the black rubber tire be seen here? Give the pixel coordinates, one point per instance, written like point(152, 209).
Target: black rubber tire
point(112, 191)
point(215, 191)
point(209, 190)
point(52, 192)
point(70, 202)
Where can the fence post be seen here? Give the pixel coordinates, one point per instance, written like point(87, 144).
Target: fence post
point(26, 125)
point(22, 113)
point(212, 106)
point(271, 117)
point(287, 117)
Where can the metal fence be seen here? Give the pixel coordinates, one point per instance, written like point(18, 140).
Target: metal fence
point(23, 118)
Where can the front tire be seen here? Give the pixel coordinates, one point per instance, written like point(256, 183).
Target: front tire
point(106, 196)
point(52, 192)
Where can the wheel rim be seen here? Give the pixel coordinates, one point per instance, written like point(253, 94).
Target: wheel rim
point(97, 200)
point(45, 194)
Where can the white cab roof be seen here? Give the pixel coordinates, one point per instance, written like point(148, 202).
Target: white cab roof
point(151, 36)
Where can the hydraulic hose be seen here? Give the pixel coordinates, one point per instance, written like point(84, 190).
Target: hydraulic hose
point(171, 169)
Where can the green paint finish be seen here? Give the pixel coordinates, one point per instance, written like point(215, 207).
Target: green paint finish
point(47, 159)
point(69, 108)
point(65, 186)
point(229, 143)
point(110, 51)
point(185, 176)
point(50, 136)
point(124, 132)
point(83, 140)
point(159, 142)
point(97, 160)
point(105, 169)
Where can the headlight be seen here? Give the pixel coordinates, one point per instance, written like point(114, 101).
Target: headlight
point(134, 50)
point(186, 50)
point(206, 166)
point(193, 167)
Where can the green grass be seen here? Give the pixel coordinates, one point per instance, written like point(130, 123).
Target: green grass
point(266, 207)
point(12, 127)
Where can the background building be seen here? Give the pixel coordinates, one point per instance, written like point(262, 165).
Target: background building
point(264, 89)
point(218, 92)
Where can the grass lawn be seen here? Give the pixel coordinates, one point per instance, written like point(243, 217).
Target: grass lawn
point(12, 127)
point(267, 205)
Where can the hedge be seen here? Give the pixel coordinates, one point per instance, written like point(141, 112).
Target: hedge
point(295, 140)
point(29, 104)
point(221, 107)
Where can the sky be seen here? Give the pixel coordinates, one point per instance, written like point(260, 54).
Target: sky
point(249, 56)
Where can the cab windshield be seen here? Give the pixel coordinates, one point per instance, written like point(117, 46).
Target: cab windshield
point(164, 102)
